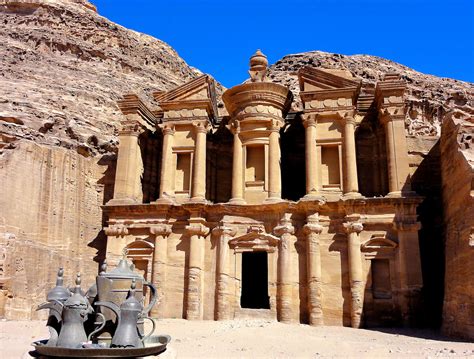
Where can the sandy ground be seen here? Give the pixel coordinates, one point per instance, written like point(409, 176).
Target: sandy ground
point(265, 339)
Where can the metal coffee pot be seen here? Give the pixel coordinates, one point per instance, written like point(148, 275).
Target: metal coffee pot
point(113, 287)
point(58, 294)
point(129, 313)
point(74, 313)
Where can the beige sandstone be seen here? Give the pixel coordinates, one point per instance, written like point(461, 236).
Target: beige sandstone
point(210, 198)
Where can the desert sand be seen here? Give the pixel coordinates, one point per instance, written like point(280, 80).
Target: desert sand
point(267, 339)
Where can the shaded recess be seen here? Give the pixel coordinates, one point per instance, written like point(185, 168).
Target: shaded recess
point(219, 154)
point(426, 181)
point(151, 149)
point(292, 144)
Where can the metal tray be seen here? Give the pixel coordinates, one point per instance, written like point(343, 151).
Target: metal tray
point(154, 345)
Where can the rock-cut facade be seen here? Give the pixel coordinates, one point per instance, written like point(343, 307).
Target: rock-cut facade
point(255, 210)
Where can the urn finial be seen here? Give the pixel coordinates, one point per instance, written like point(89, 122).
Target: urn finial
point(258, 66)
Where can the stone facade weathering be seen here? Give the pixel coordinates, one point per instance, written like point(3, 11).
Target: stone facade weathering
point(214, 212)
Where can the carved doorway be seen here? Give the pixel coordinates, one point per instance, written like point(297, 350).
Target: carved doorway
point(255, 281)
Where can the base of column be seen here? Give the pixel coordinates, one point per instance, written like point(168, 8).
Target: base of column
point(197, 200)
point(164, 201)
point(273, 200)
point(350, 195)
point(312, 197)
point(237, 201)
point(394, 194)
point(121, 201)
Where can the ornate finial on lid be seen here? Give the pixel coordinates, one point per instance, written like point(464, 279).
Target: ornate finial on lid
point(133, 285)
point(103, 267)
point(258, 66)
point(78, 283)
point(60, 279)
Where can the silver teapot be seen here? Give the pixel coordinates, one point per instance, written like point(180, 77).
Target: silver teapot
point(127, 333)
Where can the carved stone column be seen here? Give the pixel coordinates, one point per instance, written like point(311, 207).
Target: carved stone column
point(127, 187)
point(411, 280)
point(397, 151)
point(197, 232)
point(313, 251)
point(350, 186)
point(158, 276)
point(311, 155)
point(198, 189)
point(166, 183)
point(223, 304)
point(274, 171)
point(284, 288)
point(237, 168)
point(355, 271)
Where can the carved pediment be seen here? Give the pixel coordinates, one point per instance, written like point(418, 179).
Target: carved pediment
point(256, 239)
point(313, 79)
point(378, 242)
point(199, 93)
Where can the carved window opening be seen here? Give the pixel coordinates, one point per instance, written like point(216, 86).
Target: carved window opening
point(330, 167)
point(183, 173)
point(381, 281)
point(255, 165)
point(254, 293)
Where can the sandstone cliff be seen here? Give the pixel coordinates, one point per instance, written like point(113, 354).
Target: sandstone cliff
point(62, 69)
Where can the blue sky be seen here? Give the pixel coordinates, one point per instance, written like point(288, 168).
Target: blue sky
point(218, 37)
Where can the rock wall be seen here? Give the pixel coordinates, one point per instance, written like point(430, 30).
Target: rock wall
point(62, 70)
point(457, 143)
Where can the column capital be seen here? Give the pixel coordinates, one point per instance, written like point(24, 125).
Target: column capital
point(315, 228)
point(131, 127)
point(198, 229)
point(285, 227)
point(392, 113)
point(223, 230)
point(275, 125)
point(407, 226)
point(347, 116)
point(161, 230)
point(116, 230)
point(168, 129)
point(200, 126)
point(309, 119)
point(351, 227)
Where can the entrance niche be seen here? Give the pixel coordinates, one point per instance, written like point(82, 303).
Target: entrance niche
point(255, 281)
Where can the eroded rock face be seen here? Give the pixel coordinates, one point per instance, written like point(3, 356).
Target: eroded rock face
point(62, 69)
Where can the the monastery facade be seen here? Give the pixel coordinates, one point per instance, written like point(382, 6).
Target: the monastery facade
point(299, 216)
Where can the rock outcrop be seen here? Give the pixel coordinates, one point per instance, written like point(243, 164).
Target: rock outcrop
point(62, 69)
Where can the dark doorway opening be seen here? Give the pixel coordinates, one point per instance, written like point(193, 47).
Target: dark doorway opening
point(255, 281)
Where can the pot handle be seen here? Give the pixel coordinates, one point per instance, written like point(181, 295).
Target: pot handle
point(152, 329)
point(153, 297)
point(102, 325)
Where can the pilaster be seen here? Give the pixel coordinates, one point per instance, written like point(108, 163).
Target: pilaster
point(285, 231)
point(313, 229)
point(237, 167)
point(197, 232)
point(198, 188)
point(309, 122)
point(357, 283)
point(166, 183)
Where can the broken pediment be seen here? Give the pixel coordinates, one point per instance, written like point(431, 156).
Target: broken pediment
point(255, 240)
point(313, 79)
point(199, 93)
point(378, 242)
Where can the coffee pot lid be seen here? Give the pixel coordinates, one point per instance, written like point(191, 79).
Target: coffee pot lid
point(77, 300)
point(59, 292)
point(122, 271)
point(131, 303)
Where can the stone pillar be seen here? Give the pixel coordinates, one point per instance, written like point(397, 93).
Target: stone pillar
point(237, 169)
point(411, 280)
point(194, 304)
point(313, 251)
point(158, 276)
point(350, 186)
point(128, 187)
point(223, 303)
point(198, 189)
point(311, 156)
point(284, 288)
point(166, 183)
point(274, 171)
point(355, 271)
point(397, 151)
